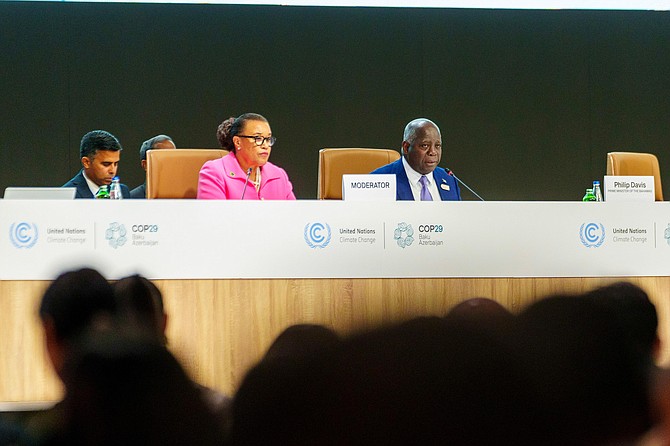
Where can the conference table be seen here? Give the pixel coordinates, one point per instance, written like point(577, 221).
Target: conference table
point(235, 274)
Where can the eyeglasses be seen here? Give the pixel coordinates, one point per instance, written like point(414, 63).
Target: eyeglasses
point(259, 140)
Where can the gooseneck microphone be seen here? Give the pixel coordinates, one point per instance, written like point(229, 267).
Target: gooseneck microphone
point(246, 182)
point(450, 172)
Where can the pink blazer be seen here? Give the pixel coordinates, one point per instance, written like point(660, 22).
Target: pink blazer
point(223, 179)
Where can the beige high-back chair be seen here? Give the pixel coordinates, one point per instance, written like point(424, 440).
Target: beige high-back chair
point(333, 163)
point(174, 173)
point(630, 163)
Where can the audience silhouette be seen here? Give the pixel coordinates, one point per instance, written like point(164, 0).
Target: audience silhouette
point(125, 389)
point(576, 370)
point(140, 310)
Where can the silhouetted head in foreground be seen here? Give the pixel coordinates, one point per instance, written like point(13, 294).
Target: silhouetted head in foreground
point(123, 389)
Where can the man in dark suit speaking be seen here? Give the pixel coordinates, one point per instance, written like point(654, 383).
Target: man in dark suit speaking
point(100, 153)
point(418, 176)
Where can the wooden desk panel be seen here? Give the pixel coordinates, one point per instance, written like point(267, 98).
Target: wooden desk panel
point(219, 328)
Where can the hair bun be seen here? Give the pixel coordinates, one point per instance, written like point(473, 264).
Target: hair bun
point(223, 134)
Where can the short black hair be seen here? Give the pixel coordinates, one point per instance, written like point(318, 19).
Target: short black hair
point(140, 305)
point(633, 310)
point(74, 300)
point(98, 140)
point(150, 143)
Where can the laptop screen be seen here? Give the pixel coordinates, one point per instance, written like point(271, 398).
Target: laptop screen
point(40, 193)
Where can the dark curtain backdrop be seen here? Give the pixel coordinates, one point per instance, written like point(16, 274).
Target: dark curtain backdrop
point(529, 102)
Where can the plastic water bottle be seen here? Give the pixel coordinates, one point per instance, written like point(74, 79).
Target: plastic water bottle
point(115, 189)
point(103, 192)
point(589, 195)
point(596, 191)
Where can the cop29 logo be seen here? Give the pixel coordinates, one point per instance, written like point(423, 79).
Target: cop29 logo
point(592, 235)
point(116, 235)
point(317, 235)
point(23, 235)
point(404, 235)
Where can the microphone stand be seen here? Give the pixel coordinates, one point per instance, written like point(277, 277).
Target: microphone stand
point(450, 172)
point(246, 183)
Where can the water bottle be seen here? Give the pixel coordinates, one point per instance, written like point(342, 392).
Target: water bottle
point(596, 191)
point(589, 195)
point(103, 192)
point(115, 189)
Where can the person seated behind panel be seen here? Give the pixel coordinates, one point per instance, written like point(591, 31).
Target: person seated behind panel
point(418, 176)
point(159, 142)
point(245, 173)
point(100, 153)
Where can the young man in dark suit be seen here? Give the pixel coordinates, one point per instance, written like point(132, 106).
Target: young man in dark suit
point(100, 153)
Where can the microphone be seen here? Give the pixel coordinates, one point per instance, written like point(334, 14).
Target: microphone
point(246, 182)
point(450, 172)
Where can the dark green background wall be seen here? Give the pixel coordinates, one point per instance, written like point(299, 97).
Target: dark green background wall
point(529, 102)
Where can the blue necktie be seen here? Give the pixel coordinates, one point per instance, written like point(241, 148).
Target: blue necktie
point(425, 193)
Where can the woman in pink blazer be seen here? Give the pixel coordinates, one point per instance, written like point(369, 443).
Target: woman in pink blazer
point(245, 172)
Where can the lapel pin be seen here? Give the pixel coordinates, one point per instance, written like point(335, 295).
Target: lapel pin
point(444, 186)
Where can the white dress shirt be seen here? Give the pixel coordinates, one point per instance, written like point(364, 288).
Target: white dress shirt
point(413, 176)
point(91, 185)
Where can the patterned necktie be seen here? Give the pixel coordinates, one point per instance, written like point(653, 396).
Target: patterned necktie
point(425, 193)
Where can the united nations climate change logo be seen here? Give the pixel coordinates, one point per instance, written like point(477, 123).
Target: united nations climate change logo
point(317, 235)
point(116, 235)
point(404, 235)
point(666, 234)
point(592, 235)
point(23, 235)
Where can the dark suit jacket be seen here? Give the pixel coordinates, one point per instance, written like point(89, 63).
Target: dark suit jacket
point(82, 187)
point(139, 192)
point(404, 191)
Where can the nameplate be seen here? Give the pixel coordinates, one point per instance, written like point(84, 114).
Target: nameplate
point(369, 187)
point(629, 188)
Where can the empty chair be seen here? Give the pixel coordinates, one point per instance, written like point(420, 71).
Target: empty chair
point(174, 173)
point(630, 163)
point(333, 163)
